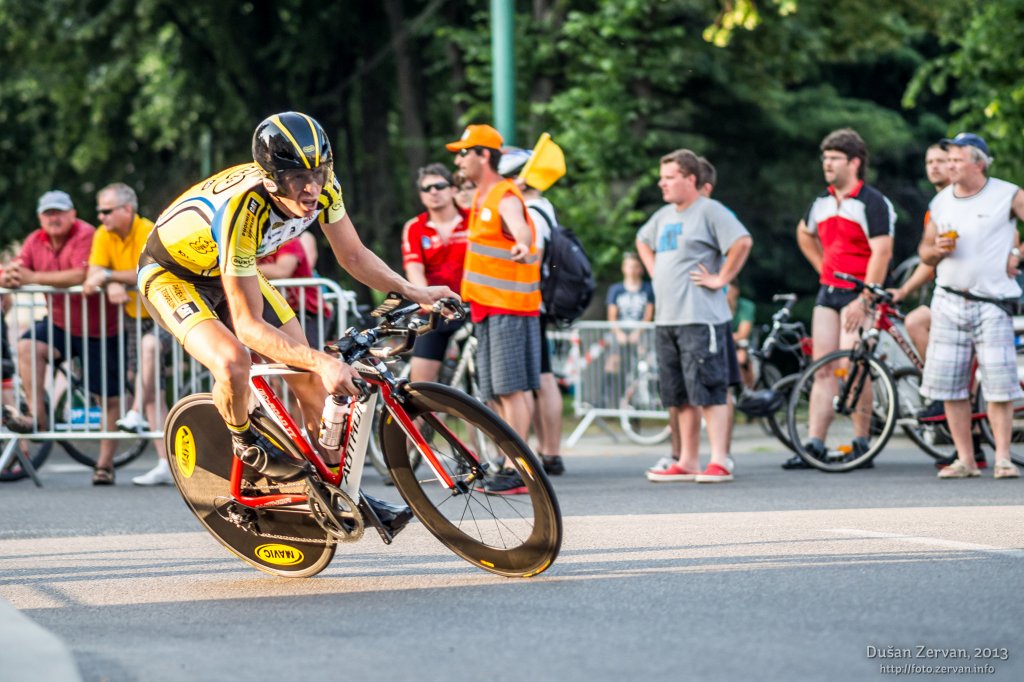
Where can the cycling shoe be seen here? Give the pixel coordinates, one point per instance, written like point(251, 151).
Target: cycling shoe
point(393, 517)
point(269, 459)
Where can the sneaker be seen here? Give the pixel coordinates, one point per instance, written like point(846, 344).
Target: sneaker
point(859, 447)
point(506, 482)
point(553, 465)
point(158, 475)
point(269, 459)
point(132, 422)
point(814, 447)
point(664, 463)
point(674, 472)
point(715, 473)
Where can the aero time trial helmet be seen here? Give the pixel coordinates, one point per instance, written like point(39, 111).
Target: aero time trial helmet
point(291, 149)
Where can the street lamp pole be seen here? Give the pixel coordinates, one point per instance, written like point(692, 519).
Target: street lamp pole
point(503, 59)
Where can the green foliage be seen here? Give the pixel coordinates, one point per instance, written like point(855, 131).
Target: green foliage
point(93, 92)
point(982, 71)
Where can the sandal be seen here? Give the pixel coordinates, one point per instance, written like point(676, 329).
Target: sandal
point(1004, 469)
point(958, 470)
point(103, 476)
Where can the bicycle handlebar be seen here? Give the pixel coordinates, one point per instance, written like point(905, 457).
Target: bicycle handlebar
point(859, 284)
point(397, 319)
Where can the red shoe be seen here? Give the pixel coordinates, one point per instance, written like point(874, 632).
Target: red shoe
point(715, 473)
point(672, 473)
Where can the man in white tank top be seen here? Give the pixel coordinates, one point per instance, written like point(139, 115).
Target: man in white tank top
point(972, 240)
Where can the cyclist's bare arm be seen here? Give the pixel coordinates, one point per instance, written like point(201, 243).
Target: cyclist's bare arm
point(246, 303)
point(366, 267)
point(810, 246)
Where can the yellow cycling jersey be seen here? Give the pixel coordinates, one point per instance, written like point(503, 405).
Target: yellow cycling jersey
point(223, 224)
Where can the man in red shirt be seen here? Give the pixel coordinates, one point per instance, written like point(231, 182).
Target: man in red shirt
point(433, 253)
point(291, 261)
point(57, 255)
point(848, 229)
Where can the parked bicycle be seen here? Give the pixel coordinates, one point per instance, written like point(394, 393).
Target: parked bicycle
point(871, 399)
point(293, 529)
point(782, 356)
point(76, 410)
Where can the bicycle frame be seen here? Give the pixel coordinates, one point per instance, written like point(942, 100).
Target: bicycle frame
point(355, 438)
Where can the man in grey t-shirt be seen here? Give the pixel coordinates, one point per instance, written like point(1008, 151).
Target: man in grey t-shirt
point(697, 247)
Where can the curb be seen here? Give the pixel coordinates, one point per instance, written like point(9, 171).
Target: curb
point(31, 652)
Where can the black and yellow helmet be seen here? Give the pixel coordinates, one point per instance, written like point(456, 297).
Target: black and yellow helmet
point(292, 141)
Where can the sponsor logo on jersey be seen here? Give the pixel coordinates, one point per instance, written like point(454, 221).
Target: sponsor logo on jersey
point(243, 261)
point(309, 149)
point(185, 311)
point(425, 242)
point(279, 554)
point(203, 245)
point(173, 295)
point(185, 451)
point(254, 206)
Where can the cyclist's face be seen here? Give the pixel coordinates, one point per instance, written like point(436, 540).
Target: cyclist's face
point(300, 189)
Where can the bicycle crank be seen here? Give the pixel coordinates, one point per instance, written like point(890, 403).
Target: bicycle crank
point(334, 510)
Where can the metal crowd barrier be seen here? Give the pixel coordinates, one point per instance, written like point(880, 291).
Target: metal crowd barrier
point(72, 412)
point(616, 374)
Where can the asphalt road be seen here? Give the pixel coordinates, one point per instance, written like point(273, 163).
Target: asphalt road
point(779, 575)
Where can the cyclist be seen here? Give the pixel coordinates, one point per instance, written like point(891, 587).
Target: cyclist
point(848, 229)
point(199, 278)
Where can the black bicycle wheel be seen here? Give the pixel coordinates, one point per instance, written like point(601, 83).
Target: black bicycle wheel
point(284, 541)
point(128, 449)
point(511, 535)
point(931, 435)
point(36, 451)
point(852, 395)
point(376, 454)
point(1016, 435)
point(777, 420)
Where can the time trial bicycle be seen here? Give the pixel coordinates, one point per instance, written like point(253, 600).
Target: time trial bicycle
point(293, 528)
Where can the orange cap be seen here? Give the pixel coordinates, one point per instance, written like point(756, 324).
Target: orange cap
point(477, 136)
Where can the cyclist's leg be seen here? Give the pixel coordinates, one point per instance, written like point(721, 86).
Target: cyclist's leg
point(862, 415)
point(188, 310)
point(825, 332)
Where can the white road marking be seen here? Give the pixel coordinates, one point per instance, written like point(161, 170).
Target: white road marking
point(932, 542)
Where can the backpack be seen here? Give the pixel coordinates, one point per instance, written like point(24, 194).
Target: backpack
point(566, 279)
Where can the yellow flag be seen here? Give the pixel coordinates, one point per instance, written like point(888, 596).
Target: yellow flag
point(545, 166)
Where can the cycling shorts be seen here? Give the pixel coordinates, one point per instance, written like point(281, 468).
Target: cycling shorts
point(179, 304)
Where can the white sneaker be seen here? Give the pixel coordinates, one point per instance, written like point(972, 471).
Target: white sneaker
point(132, 422)
point(663, 463)
point(158, 475)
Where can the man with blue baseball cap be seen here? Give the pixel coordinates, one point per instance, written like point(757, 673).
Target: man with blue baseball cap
point(972, 226)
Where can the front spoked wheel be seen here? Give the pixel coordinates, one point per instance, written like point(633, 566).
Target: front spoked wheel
point(854, 399)
point(515, 535)
point(776, 421)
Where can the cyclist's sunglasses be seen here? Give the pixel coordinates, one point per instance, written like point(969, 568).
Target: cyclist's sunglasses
point(467, 150)
point(293, 182)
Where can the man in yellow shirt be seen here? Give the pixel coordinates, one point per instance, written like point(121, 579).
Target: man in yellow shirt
point(112, 266)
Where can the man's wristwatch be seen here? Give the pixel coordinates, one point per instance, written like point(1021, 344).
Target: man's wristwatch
point(108, 275)
point(1015, 252)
